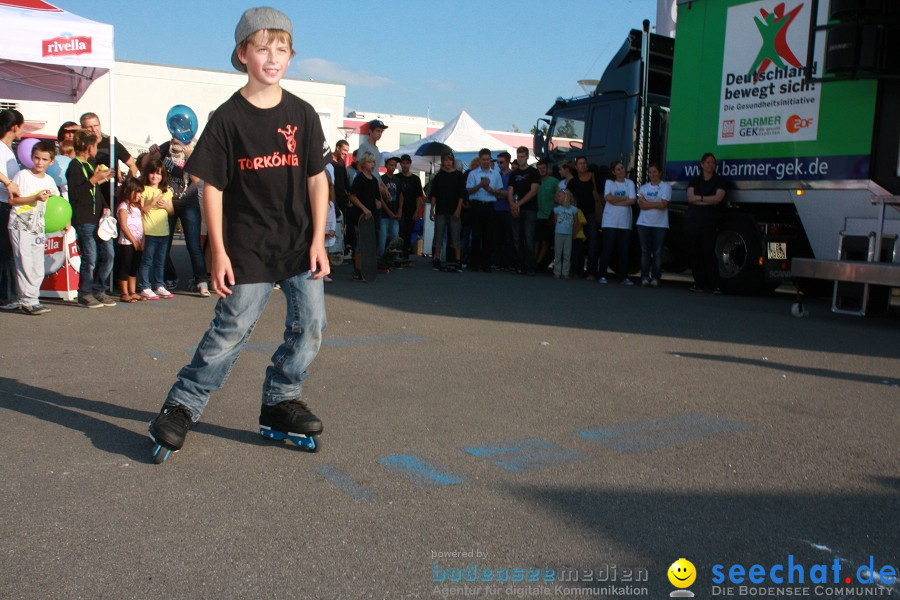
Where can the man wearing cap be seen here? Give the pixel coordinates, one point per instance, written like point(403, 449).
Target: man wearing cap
point(370, 144)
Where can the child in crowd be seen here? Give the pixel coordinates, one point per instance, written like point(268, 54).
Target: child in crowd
point(566, 172)
point(579, 242)
point(565, 220)
point(653, 224)
point(391, 207)
point(26, 226)
point(88, 207)
point(366, 198)
point(157, 205)
point(131, 237)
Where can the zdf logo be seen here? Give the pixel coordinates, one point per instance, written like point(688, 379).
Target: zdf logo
point(795, 123)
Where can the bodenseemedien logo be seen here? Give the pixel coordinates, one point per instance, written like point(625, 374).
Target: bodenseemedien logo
point(682, 574)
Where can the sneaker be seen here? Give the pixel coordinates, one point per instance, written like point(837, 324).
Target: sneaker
point(277, 286)
point(627, 281)
point(12, 306)
point(357, 276)
point(292, 416)
point(33, 309)
point(435, 265)
point(105, 300)
point(88, 301)
point(162, 292)
point(717, 292)
point(599, 279)
point(654, 283)
point(203, 289)
point(645, 282)
point(696, 289)
point(170, 427)
point(171, 284)
point(147, 294)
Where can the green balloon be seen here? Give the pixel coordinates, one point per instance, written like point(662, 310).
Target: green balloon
point(57, 214)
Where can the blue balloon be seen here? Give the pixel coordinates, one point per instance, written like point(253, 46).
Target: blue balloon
point(182, 123)
point(58, 169)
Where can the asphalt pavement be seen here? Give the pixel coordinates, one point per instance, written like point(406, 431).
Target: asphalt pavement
point(536, 437)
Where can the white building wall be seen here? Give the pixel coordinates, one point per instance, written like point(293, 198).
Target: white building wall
point(144, 93)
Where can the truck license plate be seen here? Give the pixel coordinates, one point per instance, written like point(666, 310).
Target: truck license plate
point(777, 251)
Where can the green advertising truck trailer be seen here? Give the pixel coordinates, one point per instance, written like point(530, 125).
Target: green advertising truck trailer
point(799, 100)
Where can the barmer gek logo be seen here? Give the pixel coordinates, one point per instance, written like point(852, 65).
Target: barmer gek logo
point(773, 28)
point(288, 134)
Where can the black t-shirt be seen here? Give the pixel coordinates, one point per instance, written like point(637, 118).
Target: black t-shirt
point(411, 188)
point(366, 191)
point(584, 194)
point(702, 187)
point(86, 200)
point(341, 184)
point(393, 188)
point(521, 181)
point(177, 177)
point(102, 158)
point(261, 160)
point(446, 190)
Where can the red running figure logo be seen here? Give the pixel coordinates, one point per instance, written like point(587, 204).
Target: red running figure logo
point(775, 50)
point(288, 134)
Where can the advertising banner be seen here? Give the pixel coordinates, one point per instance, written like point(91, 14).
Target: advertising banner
point(739, 91)
point(764, 96)
point(62, 262)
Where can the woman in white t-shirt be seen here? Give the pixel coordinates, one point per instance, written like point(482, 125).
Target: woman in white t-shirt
point(653, 224)
point(619, 195)
point(11, 129)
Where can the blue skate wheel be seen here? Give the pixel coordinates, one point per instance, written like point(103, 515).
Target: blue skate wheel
point(310, 443)
point(271, 434)
point(160, 454)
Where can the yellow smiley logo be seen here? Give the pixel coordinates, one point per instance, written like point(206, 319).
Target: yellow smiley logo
point(682, 573)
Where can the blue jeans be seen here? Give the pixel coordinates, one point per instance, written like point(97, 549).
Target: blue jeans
point(388, 229)
point(235, 318)
point(189, 215)
point(526, 224)
point(8, 290)
point(652, 240)
point(94, 274)
point(153, 262)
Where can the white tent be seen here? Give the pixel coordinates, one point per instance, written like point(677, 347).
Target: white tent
point(49, 54)
point(462, 134)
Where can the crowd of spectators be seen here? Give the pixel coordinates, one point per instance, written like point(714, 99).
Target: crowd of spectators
point(497, 214)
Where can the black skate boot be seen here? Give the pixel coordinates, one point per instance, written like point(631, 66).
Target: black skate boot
point(292, 421)
point(168, 431)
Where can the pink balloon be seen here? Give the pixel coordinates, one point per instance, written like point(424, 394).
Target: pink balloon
point(24, 151)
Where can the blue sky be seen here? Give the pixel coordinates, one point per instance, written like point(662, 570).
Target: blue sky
point(505, 66)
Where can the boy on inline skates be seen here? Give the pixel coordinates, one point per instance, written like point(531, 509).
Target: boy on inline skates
point(262, 157)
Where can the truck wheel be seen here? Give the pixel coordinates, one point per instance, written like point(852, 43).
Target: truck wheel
point(738, 250)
